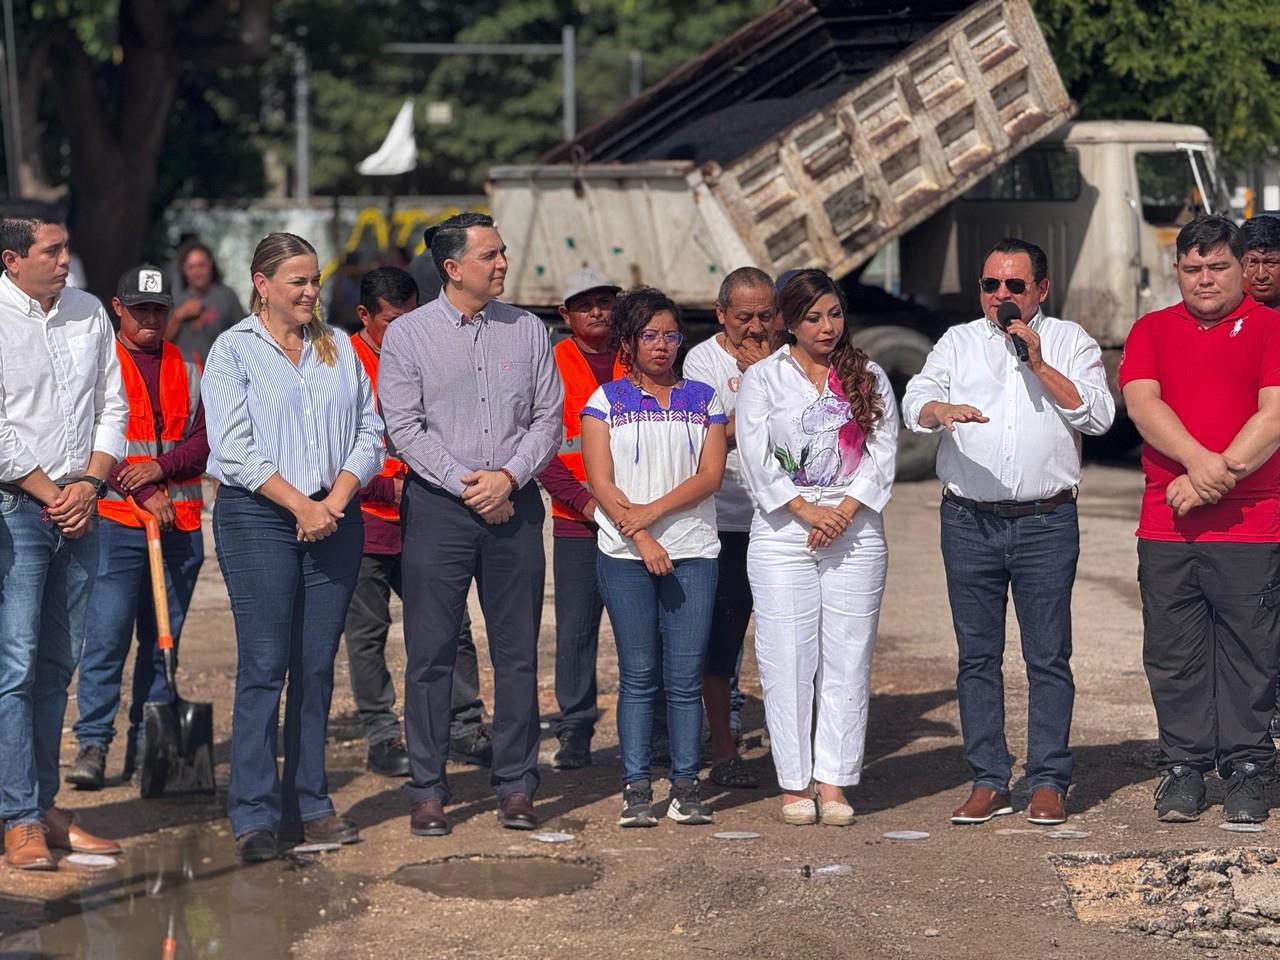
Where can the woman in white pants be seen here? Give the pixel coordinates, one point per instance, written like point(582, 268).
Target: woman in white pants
point(817, 432)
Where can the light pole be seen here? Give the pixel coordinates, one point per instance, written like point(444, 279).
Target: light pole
point(12, 117)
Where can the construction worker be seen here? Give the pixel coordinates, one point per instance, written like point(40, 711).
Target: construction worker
point(165, 456)
point(584, 361)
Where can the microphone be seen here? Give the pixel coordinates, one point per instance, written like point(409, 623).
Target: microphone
point(1006, 315)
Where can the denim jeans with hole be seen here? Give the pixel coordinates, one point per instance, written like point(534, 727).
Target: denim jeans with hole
point(985, 557)
point(660, 625)
point(45, 582)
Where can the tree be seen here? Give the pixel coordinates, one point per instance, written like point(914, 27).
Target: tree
point(112, 69)
point(1184, 61)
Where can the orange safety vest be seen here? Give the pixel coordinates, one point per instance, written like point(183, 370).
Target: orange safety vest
point(179, 402)
point(579, 384)
point(393, 468)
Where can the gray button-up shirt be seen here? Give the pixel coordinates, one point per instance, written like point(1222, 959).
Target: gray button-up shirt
point(463, 394)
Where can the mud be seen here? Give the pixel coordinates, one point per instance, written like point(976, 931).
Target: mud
point(182, 892)
point(499, 878)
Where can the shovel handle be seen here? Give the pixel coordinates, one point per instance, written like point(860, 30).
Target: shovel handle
point(159, 595)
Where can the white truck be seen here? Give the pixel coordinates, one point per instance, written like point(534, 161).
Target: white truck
point(826, 132)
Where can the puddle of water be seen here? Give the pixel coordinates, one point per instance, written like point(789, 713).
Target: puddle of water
point(499, 878)
point(188, 887)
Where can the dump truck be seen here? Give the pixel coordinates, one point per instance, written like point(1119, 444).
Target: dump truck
point(829, 131)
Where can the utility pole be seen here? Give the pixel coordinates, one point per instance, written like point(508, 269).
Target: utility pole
point(301, 124)
point(570, 86)
point(12, 116)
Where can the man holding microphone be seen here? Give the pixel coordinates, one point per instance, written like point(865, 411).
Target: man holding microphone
point(1014, 391)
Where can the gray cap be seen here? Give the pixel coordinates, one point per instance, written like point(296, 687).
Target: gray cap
point(584, 281)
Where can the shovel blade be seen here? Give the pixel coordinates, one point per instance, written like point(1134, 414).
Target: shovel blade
point(177, 753)
point(159, 747)
point(193, 772)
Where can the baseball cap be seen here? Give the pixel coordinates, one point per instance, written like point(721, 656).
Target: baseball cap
point(144, 284)
point(584, 280)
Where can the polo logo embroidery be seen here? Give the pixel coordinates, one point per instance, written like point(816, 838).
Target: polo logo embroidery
point(507, 366)
point(1238, 327)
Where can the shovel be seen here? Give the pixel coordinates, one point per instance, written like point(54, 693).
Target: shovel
point(177, 741)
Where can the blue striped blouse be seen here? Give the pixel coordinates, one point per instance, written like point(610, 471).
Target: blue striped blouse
point(308, 422)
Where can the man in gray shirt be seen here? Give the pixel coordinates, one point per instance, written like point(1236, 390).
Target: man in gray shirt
point(472, 402)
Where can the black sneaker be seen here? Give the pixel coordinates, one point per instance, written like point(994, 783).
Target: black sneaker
point(388, 758)
point(686, 805)
point(1180, 796)
point(637, 806)
point(476, 749)
point(89, 770)
point(574, 753)
point(1245, 801)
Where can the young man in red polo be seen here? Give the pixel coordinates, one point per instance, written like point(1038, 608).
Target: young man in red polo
point(1202, 383)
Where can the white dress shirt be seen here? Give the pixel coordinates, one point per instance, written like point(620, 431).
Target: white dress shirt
point(790, 441)
point(61, 396)
point(1030, 448)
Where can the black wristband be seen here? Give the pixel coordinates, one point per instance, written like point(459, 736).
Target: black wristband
point(100, 486)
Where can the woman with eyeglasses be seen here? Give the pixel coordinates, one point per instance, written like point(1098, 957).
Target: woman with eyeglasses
point(654, 449)
point(817, 434)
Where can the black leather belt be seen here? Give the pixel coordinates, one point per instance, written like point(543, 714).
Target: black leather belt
point(1012, 509)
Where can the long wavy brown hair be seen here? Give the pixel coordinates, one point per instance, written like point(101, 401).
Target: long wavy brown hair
point(850, 363)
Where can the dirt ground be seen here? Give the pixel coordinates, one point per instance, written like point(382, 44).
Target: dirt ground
point(991, 890)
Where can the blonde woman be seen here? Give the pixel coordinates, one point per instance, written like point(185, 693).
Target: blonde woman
point(293, 436)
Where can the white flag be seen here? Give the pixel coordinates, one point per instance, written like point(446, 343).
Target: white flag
point(398, 153)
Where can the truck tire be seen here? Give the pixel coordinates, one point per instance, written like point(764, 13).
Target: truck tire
point(901, 353)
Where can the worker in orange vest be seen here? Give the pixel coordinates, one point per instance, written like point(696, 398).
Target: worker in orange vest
point(385, 294)
point(165, 454)
point(585, 361)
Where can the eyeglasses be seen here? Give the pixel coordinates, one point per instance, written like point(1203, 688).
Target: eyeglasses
point(650, 337)
point(1014, 285)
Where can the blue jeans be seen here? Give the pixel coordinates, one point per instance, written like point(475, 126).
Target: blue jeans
point(289, 601)
point(660, 625)
point(985, 556)
point(45, 582)
point(122, 598)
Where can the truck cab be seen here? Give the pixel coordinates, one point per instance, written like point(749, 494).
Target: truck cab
point(1105, 199)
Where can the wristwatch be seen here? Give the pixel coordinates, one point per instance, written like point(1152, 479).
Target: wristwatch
point(99, 485)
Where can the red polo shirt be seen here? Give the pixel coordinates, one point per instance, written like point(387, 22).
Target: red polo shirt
point(1210, 377)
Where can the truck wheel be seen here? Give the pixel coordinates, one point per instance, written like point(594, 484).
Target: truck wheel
point(901, 353)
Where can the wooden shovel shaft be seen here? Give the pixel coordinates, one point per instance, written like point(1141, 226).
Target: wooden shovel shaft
point(159, 594)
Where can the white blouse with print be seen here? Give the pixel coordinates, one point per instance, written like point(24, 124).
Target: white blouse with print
point(795, 440)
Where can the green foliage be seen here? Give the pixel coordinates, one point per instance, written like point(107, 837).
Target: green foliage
point(1182, 61)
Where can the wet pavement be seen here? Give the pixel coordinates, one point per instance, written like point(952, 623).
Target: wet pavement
point(181, 894)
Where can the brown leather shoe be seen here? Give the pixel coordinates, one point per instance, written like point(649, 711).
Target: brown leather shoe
point(515, 812)
point(25, 848)
point(331, 829)
point(1047, 807)
point(983, 804)
point(427, 819)
point(64, 834)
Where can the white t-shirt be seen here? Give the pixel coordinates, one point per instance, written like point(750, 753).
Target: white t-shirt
point(654, 451)
point(712, 363)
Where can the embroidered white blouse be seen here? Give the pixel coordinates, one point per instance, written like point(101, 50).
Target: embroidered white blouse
point(795, 440)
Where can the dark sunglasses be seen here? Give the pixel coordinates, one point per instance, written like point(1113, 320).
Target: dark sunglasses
point(1014, 285)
